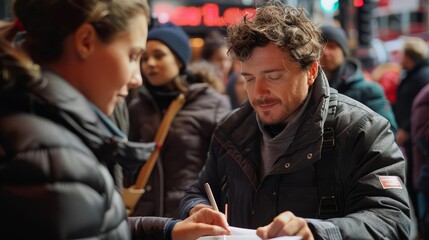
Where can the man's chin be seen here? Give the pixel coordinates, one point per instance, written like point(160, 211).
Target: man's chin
point(267, 119)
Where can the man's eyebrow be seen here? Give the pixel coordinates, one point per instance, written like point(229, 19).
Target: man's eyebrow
point(265, 71)
point(273, 70)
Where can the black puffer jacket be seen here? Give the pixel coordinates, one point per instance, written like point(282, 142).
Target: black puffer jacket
point(52, 186)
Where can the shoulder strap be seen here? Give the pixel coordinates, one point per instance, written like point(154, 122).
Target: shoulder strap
point(325, 167)
point(132, 194)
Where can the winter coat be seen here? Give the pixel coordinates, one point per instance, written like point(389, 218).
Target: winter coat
point(408, 89)
point(420, 133)
point(53, 179)
point(364, 150)
point(185, 149)
point(350, 81)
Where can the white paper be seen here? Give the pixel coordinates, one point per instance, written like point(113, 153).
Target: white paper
point(242, 231)
point(245, 233)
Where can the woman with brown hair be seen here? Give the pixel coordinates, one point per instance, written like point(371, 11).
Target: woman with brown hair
point(55, 138)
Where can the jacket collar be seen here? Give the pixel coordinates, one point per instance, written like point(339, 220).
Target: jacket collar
point(62, 103)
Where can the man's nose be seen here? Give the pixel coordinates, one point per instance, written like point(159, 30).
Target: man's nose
point(261, 88)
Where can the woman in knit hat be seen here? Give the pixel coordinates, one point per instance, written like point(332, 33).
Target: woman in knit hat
point(184, 151)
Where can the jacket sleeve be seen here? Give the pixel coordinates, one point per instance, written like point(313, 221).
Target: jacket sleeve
point(374, 207)
point(420, 137)
point(420, 121)
point(148, 227)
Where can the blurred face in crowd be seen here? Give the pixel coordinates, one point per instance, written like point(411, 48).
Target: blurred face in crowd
point(406, 62)
point(159, 64)
point(221, 59)
point(240, 89)
point(332, 57)
point(276, 86)
point(113, 67)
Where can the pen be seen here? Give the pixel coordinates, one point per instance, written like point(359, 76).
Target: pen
point(211, 197)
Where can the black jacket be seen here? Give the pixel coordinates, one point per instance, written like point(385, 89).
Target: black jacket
point(364, 150)
point(408, 88)
point(53, 179)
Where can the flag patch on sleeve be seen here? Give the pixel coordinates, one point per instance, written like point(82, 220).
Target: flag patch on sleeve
point(390, 182)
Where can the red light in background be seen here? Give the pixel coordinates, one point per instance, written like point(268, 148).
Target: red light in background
point(187, 16)
point(164, 12)
point(232, 15)
point(210, 12)
point(358, 3)
point(206, 15)
point(383, 3)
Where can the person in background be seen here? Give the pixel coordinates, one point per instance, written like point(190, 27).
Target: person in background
point(345, 74)
point(420, 142)
point(56, 139)
point(299, 158)
point(388, 75)
point(215, 51)
point(183, 153)
point(236, 91)
point(202, 71)
point(415, 64)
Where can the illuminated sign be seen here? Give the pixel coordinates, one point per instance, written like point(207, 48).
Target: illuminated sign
point(209, 14)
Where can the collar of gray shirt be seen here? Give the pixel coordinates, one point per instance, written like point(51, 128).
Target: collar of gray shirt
point(273, 147)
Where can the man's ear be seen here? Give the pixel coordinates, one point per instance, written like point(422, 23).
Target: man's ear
point(312, 73)
point(84, 40)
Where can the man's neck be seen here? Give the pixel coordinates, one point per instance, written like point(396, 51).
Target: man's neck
point(274, 130)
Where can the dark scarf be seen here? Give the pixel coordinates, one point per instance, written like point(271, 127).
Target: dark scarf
point(161, 95)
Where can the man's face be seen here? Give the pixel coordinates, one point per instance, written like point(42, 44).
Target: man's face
point(276, 86)
point(332, 57)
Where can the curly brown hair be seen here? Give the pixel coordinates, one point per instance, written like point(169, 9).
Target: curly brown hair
point(287, 27)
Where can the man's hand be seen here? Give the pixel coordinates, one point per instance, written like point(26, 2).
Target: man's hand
point(197, 208)
point(286, 224)
point(205, 222)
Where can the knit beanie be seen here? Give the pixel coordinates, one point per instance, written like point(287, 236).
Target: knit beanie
point(336, 35)
point(176, 40)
